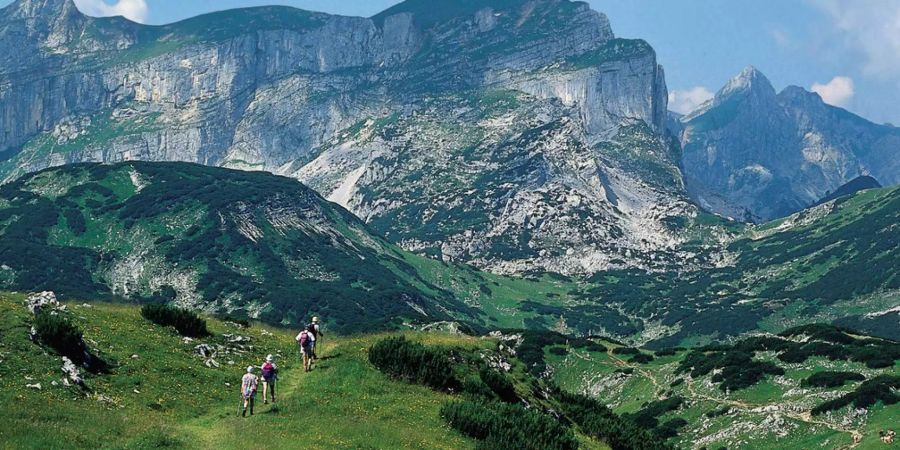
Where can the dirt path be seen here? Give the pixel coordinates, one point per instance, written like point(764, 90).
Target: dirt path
point(209, 431)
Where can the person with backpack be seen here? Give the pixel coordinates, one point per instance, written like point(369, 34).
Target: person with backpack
point(306, 341)
point(269, 372)
point(313, 328)
point(248, 390)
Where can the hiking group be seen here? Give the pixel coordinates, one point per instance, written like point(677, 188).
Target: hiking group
point(306, 340)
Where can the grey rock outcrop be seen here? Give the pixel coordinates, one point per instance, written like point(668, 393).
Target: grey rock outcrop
point(754, 154)
point(42, 301)
point(290, 92)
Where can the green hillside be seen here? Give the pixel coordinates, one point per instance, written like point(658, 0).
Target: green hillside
point(255, 245)
point(166, 396)
point(250, 244)
point(837, 263)
point(440, 390)
point(812, 387)
point(160, 393)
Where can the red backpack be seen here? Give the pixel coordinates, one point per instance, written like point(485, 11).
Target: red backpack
point(268, 370)
point(304, 339)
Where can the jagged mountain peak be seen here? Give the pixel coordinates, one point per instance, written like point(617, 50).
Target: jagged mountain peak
point(749, 80)
point(797, 96)
point(50, 9)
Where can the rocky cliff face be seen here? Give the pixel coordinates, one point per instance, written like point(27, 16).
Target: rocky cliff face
point(395, 116)
point(754, 154)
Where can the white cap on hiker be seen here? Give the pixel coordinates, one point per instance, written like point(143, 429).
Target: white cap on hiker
point(249, 369)
point(269, 358)
point(315, 320)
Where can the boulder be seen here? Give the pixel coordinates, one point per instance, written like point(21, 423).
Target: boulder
point(73, 375)
point(41, 301)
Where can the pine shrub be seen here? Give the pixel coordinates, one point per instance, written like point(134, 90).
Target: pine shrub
point(830, 379)
point(499, 384)
point(414, 362)
point(186, 322)
point(58, 333)
point(504, 426)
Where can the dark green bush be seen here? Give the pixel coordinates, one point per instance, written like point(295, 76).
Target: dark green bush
point(503, 426)
point(414, 362)
point(597, 420)
point(499, 384)
point(669, 428)
point(879, 389)
point(739, 370)
point(185, 322)
point(829, 379)
point(625, 351)
point(559, 350)
point(647, 416)
point(641, 358)
point(56, 332)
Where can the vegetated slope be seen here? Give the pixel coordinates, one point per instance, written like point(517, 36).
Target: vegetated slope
point(835, 262)
point(766, 391)
point(161, 393)
point(264, 246)
point(250, 244)
point(545, 131)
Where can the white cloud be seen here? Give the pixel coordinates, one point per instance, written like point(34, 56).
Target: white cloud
point(135, 10)
point(871, 28)
point(781, 37)
point(685, 101)
point(836, 92)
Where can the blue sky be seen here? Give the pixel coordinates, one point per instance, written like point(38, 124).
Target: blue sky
point(849, 51)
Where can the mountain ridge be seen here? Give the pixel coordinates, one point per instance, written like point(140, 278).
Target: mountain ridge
point(757, 154)
point(340, 114)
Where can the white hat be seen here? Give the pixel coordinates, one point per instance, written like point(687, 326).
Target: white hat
point(249, 369)
point(269, 358)
point(315, 319)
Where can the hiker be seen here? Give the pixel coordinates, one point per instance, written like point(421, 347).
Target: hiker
point(269, 372)
point(248, 390)
point(313, 328)
point(306, 341)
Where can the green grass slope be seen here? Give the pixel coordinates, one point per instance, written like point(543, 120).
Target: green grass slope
point(252, 244)
point(838, 262)
point(160, 393)
point(757, 409)
point(257, 245)
point(167, 397)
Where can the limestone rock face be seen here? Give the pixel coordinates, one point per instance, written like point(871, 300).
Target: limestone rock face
point(755, 154)
point(555, 106)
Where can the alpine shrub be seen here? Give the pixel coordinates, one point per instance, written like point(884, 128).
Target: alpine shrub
point(503, 426)
point(58, 333)
point(65, 338)
point(597, 420)
point(879, 389)
point(186, 322)
point(829, 379)
point(499, 384)
point(414, 362)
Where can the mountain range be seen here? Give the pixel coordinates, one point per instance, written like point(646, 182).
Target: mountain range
point(756, 154)
point(518, 136)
